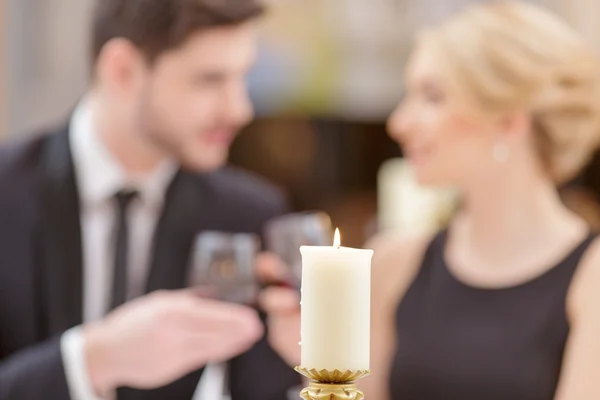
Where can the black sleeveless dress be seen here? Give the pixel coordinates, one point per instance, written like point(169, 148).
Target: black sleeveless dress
point(460, 342)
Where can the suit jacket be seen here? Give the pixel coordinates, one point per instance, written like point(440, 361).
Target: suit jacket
point(41, 267)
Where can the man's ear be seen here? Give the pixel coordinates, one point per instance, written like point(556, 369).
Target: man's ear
point(120, 66)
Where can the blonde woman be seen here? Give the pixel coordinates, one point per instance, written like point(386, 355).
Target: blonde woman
point(503, 102)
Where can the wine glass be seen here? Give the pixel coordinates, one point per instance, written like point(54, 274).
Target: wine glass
point(223, 266)
point(285, 234)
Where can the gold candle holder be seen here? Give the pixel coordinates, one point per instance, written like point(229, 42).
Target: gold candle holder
point(331, 385)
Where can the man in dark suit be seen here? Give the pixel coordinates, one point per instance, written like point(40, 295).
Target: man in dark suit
point(106, 209)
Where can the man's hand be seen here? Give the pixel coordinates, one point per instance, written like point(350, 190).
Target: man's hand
point(161, 337)
point(282, 305)
point(283, 308)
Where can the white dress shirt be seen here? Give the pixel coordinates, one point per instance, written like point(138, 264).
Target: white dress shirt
point(99, 177)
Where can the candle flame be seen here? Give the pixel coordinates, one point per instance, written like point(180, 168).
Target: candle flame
point(337, 241)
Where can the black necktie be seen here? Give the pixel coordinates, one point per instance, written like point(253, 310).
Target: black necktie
point(119, 289)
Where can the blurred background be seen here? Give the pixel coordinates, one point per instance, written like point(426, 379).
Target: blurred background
point(329, 73)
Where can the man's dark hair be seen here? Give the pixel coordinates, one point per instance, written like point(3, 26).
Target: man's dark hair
point(155, 26)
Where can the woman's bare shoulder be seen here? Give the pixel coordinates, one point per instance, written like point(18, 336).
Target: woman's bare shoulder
point(396, 260)
point(584, 295)
point(582, 354)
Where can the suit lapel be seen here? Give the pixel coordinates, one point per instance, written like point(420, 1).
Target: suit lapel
point(61, 251)
point(187, 210)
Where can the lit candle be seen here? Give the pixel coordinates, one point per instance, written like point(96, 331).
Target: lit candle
point(336, 307)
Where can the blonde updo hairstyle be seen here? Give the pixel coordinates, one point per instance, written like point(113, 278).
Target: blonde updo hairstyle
point(514, 56)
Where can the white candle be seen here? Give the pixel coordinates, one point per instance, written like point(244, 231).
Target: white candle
point(336, 307)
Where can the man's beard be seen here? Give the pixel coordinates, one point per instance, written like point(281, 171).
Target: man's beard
point(155, 132)
point(168, 143)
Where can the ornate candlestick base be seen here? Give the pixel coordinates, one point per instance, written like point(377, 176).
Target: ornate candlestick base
point(332, 385)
